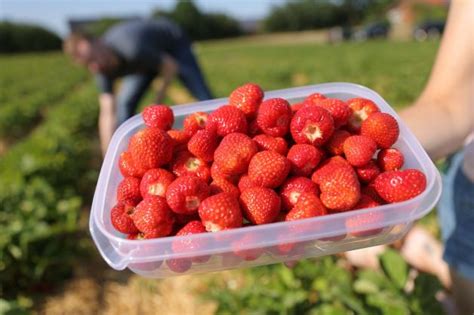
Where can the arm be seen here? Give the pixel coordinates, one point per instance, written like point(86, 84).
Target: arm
point(107, 119)
point(443, 115)
point(169, 69)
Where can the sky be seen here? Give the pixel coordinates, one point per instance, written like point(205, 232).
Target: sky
point(54, 14)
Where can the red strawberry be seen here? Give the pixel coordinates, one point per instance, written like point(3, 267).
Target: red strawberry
point(268, 169)
point(247, 98)
point(222, 185)
point(358, 221)
point(233, 154)
point(127, 167)
point(260, 205)
point(338, 109)
point(390, 159)
point(153, 216)
point(313, 99)
point(266, 142)
point(179, 137)
point(194, 122)
point(274, 116)
point(335, 144)
point(245, 247)
point(254, 129)
point(203, 144)
point(245, 182)
point(150, 148)
point(155, 182)
point(120, 217)
point(396, 186)
point(186, 193)
point(370, 191)
point(340, 188)
point(217, 173)
point(186, 164)
point(382, 128)
point(368, 172)
point(227, 119)
point(366, 202)
point(308, 206)
point(293, 188)
point(295, 107)
point(181, 245)
point(312, 125)
point(304, 158)
point(179, 265)
point(220, 212)
point(359, 150)
point(361, 109)
point(129, 188)
point(183, 219)
point(158, 116)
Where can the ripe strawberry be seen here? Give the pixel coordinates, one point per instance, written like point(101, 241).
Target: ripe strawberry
point(368, 172)
point(181, 245)
point(120, 217)
point(179, 137)
point(227, 119)
point(153, 216)
point(247, 98)
point(220, 185)
point(340, 188)
point(245, 247)
point(308, 206)
point(266, 142)
point(245, 182)
point(150, 148)
point(220, 212)
point(293, 188)
point(217, 173)
point(396, 186)
point(370, 191)
point(260, 205)
point(382, 128)
point(158, 116)
point(129, 188)
point(366, 202)
point(254, 129)
point(274, 116)
point(179, 265)
point(185, 194)
point(313, 99)
point(356, 223)
point(183, 219)
point(321, 171)
point(194, 122)
point(127, 167)
point(295, 107)
point(186, 164)
point(155, 182)
point(268, 169)
point(361, 109)
point(359, 150)
point(390, 159)
point(203, 144)
point(233, 154)
point(335, 144)
point(304, 158)
point(338, 109)
point(312, 125)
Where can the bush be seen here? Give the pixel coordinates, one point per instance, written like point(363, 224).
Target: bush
point(16, 37)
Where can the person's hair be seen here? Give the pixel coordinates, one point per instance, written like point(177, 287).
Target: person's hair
point(71, 42)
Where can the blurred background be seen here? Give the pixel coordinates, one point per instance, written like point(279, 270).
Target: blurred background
point(50, 155)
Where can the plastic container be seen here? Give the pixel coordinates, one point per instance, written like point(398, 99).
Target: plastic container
point(266, 244)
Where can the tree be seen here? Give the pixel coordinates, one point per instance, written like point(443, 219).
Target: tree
point(15, 37)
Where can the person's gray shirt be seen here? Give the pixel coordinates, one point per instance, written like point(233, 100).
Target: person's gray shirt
point(139, 44)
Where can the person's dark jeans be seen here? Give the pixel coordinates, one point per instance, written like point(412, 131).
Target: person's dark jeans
point(134, 85)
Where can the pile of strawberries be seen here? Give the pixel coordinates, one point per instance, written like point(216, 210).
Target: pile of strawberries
point(258, 161)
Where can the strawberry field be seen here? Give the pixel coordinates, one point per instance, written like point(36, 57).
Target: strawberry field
point(49, 162)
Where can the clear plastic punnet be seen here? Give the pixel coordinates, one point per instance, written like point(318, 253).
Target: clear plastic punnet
point(264, 244)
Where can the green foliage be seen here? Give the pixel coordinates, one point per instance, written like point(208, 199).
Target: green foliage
point(429, 12)
point(15, 37)
point(43, 182)
point(198, 25)
point(325, 287)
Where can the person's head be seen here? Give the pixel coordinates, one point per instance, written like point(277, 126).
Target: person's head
point(89, 52)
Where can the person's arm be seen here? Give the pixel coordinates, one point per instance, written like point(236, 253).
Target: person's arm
point(168, 70)
point(107, 117)
point(443, 115)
